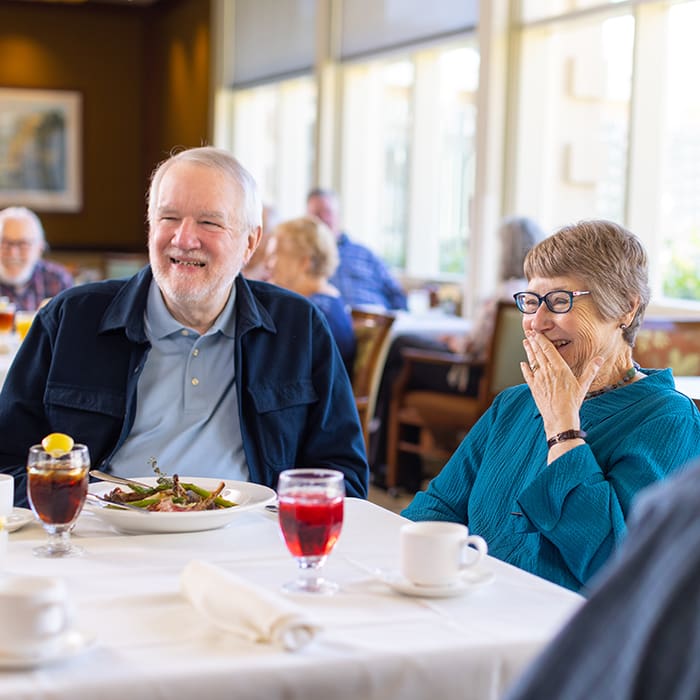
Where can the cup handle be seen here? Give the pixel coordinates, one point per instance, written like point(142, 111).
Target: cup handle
point(477, 543)
point(66, 612)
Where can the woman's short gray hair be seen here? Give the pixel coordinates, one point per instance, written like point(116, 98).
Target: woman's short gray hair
point(311, 237)
point(219, 159)
point(609, 258)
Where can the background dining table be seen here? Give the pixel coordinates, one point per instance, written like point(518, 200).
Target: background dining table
point(374, 643)
point(8, 350)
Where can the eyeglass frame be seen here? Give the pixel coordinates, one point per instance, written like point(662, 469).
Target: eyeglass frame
point(20, 245)
point(571, 295)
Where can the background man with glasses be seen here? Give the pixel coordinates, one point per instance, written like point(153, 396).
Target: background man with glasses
point(25, 278)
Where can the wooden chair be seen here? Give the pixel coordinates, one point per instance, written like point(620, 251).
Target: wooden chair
point(372, 335)
point(667, 342)
point(442, 419)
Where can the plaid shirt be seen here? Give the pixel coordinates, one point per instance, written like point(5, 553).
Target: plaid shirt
point(363, 278)
point(47, 280)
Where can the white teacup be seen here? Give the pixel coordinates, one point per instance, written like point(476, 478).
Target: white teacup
point(435, 553)
point(35, 614)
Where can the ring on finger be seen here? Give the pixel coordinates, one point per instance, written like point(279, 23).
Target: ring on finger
point(534, 367)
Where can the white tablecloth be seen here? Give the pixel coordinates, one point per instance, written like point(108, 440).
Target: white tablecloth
point(690, 386)
point(375, 643)
point(430, 324)
point(5, 362)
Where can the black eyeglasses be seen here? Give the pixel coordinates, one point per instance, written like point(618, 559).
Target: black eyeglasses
point(20, 245)
point(558, 301)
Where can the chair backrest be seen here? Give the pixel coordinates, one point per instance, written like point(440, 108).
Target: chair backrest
point(506, 351)
point(667, 342)
point(372, 337)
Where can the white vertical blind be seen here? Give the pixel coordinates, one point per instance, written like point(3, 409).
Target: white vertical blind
point(371, 26)
point(272, 39)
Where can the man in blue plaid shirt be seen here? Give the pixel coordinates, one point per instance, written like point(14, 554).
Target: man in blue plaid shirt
point(362, 278)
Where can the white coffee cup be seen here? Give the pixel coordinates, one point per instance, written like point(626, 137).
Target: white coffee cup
point(435, 553)
point(35, 614)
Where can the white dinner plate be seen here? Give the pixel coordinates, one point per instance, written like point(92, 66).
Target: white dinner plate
point(18, 518)
point(245, 494)
point(468, 581)
point(72, 642)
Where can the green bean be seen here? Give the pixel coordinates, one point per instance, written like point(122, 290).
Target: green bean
point(144, 502)
point(203, 493)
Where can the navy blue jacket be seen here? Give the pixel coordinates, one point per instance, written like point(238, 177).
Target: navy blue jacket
point(77, 370)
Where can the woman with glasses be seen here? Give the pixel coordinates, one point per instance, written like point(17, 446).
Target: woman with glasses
point(548, 473)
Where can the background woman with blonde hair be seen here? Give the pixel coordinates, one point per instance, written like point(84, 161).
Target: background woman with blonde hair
point(301, 257)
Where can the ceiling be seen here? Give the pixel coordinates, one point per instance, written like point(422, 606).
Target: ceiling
point(94, 2)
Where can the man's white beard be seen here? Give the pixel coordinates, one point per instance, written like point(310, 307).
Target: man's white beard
point(16, 280)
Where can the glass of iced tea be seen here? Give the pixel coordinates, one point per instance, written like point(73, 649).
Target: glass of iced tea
point(23, 319)
point(7, 316)
point(311, 517)
point(57, 485)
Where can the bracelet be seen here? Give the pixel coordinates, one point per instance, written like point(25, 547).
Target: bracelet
point(566, 435)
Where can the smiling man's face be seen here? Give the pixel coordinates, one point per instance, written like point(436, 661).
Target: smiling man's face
point(196, 244)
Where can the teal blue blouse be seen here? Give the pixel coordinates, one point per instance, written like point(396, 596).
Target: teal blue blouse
point(562, 521)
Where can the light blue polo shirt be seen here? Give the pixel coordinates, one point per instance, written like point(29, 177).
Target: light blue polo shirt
point(186, 407)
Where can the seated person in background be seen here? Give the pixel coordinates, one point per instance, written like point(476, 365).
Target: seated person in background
point(548, 473)
point(302, 255)
point(362, 278)
point(25, 278)
point(256, 268)
point(517, 235)
point(187, 361)
point(637, 636)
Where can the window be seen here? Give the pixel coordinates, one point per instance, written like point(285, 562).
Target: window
point(585, 77)
point(408, 157)
point(573, 129)
point(679, 181)
point(273, 137)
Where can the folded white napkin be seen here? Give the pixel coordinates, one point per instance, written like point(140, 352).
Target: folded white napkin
point(237, 606)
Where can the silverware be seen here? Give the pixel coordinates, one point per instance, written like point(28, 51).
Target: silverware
point(103, 476)
point(124, 506)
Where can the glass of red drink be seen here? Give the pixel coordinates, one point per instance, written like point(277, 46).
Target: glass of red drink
point(57, 485)
point(311, 517)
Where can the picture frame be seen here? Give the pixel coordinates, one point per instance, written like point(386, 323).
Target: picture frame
point(41, 149)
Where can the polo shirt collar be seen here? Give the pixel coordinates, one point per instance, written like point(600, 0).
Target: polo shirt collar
point(161, 324)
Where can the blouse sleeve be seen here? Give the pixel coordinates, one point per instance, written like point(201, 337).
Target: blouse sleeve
point(447, 496)
point(581, 508)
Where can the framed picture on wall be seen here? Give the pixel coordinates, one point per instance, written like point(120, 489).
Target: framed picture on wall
point(40, 149)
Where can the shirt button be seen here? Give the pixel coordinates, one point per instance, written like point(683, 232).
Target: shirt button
point(195, 352)
point(195, 381)
point(184, 332)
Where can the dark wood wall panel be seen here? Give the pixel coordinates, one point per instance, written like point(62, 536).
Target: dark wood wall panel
point(143, 73)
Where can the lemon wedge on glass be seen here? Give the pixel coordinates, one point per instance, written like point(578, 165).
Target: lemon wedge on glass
point(57, 444)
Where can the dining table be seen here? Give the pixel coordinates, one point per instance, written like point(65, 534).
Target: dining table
point(145, 640)
point(8, 350)
point(690, 386)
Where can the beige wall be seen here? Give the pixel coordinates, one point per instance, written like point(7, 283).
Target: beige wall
point(144, 78)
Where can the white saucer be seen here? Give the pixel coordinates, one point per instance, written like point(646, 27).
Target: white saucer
point(72, 642)
point(467, 582)
point(18, 518)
